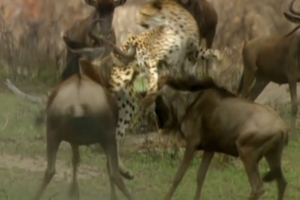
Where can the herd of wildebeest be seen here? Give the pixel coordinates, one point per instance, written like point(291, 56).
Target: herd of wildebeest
point(83, 109)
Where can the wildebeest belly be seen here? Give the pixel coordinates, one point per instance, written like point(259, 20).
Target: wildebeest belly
point(87, 130)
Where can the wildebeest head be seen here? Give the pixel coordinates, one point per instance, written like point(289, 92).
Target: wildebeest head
point(175, 97)
point(105, 10)
point(122, 57)
point(96, 54)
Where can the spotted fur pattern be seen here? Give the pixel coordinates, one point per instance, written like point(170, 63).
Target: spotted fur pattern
point(122, 86)
point(172, 34)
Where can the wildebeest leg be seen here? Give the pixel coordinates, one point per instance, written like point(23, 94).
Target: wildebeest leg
point(113, 194)
point(250, 160)
point(293, 93)
point(258, 87)
point(247, 79)
point(188, 156)
point(52, 148)
point(247, 82)
point(110, 149)
point(206, 159)
point(274, 160)
point(74, 193)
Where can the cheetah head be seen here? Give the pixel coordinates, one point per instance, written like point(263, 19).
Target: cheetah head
point(152, 13)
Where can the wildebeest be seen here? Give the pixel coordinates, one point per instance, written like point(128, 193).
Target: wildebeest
point(273, 58)
point(212, 119)
point(81, 111)
point(105, 66)
point(104, 10)
point(206, 17)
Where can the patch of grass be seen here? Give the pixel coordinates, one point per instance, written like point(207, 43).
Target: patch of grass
point(153, 173)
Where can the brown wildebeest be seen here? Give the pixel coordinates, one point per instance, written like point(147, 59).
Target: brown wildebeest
point(105, 67)
point(82, 112)
point(206, 17)
point(273, 58)
point(104, 10)
point(212, 119)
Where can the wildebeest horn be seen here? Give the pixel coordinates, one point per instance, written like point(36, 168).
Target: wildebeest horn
point(292, 10)
point(116, 49)
point(81, 48)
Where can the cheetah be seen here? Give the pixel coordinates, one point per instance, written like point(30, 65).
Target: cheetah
point(171, 35)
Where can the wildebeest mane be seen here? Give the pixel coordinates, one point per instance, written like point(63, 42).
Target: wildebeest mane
point(191, 83)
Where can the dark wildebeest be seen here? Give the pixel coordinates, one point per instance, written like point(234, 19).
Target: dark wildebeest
point(273, 58)
point(212, 119)
point(104, 10)
point(206, 17)
point(82, 112)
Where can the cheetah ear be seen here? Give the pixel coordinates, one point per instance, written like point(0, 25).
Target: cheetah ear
point(157, 4)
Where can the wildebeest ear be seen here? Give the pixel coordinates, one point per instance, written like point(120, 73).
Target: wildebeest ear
point(157, 4)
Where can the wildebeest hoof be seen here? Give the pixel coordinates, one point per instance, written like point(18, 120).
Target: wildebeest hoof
point(127, 175)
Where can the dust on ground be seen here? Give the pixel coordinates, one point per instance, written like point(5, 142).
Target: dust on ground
point(39, 164)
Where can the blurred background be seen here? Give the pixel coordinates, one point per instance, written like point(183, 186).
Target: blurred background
point(31, 45)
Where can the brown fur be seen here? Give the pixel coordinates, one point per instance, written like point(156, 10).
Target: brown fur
point(206, 17)
point(215, 120)
point(273, 58)
point(81, 111)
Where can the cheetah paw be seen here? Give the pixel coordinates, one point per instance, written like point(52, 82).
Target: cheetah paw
point(127, 175)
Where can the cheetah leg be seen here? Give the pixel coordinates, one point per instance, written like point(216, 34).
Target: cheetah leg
point(153, 78)
point(126, 173)
point(123, 124)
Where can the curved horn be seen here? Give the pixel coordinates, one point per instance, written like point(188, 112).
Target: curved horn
point(116, 49)
point(292, 10)
point(79, 48)
point(291, 18)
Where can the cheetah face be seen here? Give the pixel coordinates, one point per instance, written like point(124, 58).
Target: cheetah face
point(151, 14)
